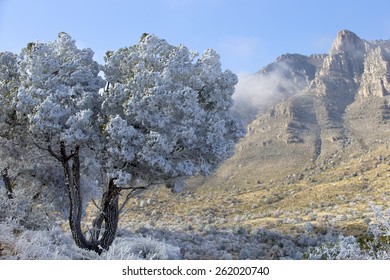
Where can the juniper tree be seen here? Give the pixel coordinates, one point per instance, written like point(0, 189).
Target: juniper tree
point(163, 117)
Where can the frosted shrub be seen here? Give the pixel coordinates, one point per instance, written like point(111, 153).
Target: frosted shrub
point(346, 248)
point(24, 210)
point(8, 228)
point(376, 245)
point(381, 227)
point(33, 244)
point(220, 244)
point(378, 242)
point(141, 248)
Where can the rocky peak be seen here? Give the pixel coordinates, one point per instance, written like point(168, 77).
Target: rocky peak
point(342, 68)
point(347, 41)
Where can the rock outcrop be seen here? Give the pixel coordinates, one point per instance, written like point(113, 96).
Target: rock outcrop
point(375, 80)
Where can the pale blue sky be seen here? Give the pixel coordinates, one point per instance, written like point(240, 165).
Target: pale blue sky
point(248, 34)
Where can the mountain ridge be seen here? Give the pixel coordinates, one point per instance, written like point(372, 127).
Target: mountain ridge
point(348, 78)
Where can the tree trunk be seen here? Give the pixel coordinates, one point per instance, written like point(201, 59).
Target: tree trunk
point(7, 183)
point(109, 215)
point(71, 167)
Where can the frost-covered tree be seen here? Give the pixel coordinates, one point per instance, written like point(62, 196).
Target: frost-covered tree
point(163, 116)
point(167, 113)
point(58, 102)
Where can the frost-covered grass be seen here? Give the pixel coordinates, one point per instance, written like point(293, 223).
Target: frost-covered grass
point(22, 243)
point(27, 244)
point(53, 244)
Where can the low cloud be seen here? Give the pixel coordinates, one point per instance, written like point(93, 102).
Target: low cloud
point(257, 93)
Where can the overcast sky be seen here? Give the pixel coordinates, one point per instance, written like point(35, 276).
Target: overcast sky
point(248, 34)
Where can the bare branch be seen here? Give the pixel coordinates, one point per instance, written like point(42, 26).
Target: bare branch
point(73, 154)
point(128, 196)
point(125, 202)
point(132, 188)
point(50, 150)
point(97, 206)
point(39, 147)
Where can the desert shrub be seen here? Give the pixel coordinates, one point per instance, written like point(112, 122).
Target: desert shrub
point(30, 244)
point(237, 243)
point(345, 248)
point(374, 245)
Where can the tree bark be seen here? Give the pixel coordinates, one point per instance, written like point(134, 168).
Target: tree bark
point(109, 215)
point(7, 183)
point(71, 168)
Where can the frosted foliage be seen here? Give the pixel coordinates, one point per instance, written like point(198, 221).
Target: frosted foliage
point(59, 90)
point(375, 246)
point(32, 214)
point(168, 114)
point(9, 82)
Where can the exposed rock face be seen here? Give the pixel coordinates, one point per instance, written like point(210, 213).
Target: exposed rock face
point(335, 105)
point(376, 76)
point(342, 68)
point(347, 41)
